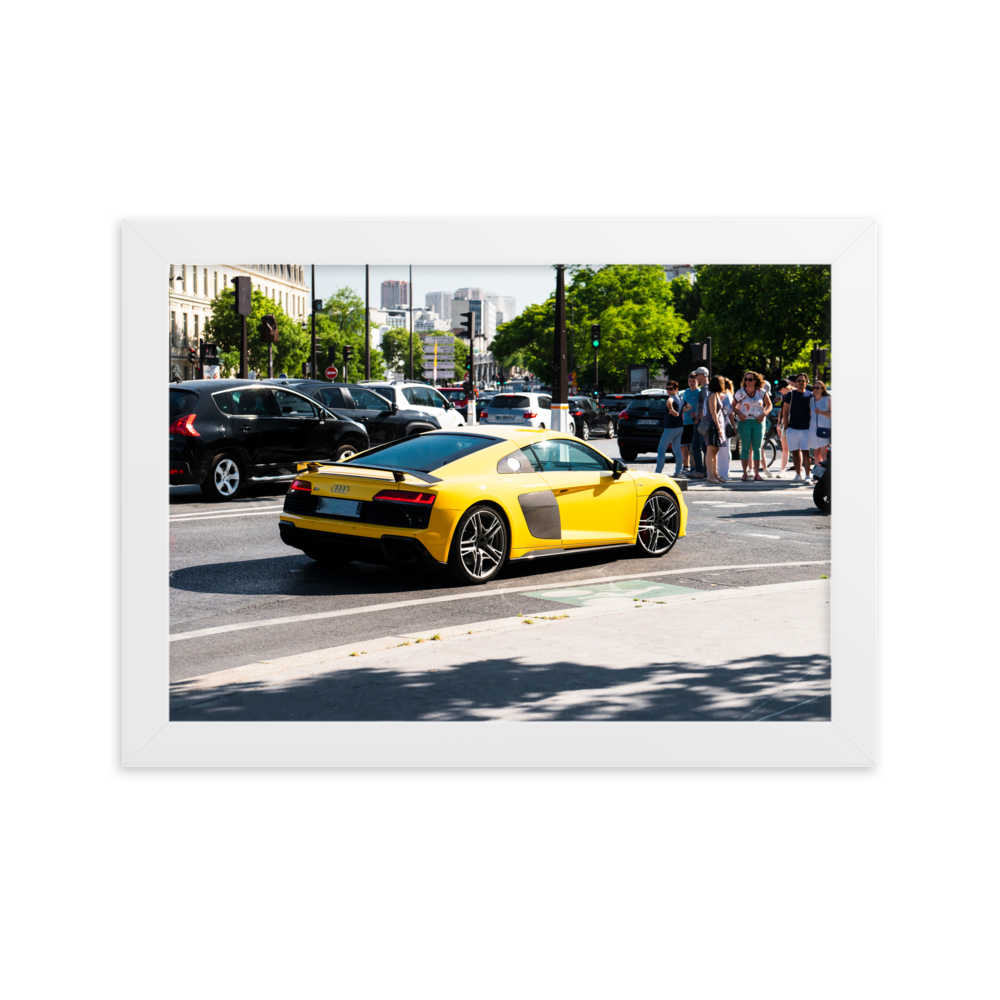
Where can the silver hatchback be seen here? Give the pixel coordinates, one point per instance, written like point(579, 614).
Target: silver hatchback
point(521, 409)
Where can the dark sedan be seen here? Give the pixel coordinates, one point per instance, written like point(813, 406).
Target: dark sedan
point(383, 420)
point(589, 419)
point(225, 433)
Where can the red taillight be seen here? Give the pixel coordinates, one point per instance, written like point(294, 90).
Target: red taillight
point(578, 413)
point(184, 426)
point(404, 496)
point(301, 484)
point(177, 472)
point(624, 415)
point(530, 414)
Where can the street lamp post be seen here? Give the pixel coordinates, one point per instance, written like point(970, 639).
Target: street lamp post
point(368, 331)
point(560, 402)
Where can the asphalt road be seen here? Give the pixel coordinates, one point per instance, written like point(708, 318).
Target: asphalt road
point(228, 567)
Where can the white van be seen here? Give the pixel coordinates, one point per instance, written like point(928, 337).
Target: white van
point(418, 396)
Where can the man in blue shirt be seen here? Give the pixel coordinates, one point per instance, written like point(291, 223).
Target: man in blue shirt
point(689, 400)
point(700, 376)
point(796, 412)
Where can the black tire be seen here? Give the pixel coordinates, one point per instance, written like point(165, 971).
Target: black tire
point(585, 431)
point(769, 452)
point(821, 493)
point(346, 450)
point(659, 523)
point(610, 432)
point(480, 546)
point(225, 480)
point(627, 454)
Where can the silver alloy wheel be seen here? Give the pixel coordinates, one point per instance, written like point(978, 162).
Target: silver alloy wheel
point(585, 431)
point(226, 477)
point(347, 453)
point(482, 544)
point(659, 524)
point(611, 429)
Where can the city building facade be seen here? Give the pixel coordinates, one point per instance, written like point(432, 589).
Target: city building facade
point(193, 287)
point(395, 294)
point(440, 302)
point(484, 318)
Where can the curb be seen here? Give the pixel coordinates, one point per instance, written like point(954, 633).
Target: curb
point(208, 687)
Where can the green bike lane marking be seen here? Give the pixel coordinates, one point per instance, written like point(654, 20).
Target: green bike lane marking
point(610, 594)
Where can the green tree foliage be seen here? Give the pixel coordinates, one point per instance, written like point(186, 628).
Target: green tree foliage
point(223, 329)
point(294, 341)
point(761, 314)
point(396, 349)
point(632, 303)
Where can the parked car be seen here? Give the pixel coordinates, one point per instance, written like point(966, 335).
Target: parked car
point(588, 418)
point(418, 396)
point(522, 409)
point(225, 433)
point(474, 499)
point(640, 425)
point(611, 404)
point(383, 420)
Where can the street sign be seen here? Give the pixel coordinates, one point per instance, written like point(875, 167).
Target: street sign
point(439, 340)
point(441, 373)
point(331, 373)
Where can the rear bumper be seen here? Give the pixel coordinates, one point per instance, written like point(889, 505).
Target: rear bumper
point(398, 550)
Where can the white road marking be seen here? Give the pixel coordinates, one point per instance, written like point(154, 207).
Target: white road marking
point(212, 517)
point(388, 606)
point(752, 534)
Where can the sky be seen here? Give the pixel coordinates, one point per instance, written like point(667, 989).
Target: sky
point(527, 283)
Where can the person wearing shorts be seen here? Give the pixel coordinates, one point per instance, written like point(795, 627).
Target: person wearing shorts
point(796, 415)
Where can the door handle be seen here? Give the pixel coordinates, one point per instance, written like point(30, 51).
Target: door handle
point(244, 428)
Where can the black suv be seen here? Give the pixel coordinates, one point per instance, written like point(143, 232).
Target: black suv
point(227, 432)
point(383, 420)
point(641, 424)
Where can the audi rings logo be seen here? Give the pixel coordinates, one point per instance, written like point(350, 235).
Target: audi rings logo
point(342, 489)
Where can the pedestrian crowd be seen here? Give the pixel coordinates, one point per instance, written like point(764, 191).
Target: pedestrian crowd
point(703, 419)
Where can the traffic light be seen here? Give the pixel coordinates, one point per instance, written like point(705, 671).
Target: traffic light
point(209, 354)
point(468, 325)
point(192, 356)
point(348, 354)
point(243, 296)
point(595, 335)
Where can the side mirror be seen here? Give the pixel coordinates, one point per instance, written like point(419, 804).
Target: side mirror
point(447, 405)
point(620, 467)
point(393, 408)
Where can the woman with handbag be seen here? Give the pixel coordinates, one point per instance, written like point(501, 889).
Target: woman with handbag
point(714, 427)
point(729, 424)
point(819, 425)
point(752, 408)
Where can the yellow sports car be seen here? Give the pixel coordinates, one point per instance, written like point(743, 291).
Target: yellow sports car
point(472, 498)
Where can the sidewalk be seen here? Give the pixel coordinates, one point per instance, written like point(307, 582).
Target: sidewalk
point(746, 654)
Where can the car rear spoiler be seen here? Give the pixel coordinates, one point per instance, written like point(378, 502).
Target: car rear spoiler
point(399, 475)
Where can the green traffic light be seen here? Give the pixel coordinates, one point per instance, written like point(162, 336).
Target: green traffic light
point(597, 343)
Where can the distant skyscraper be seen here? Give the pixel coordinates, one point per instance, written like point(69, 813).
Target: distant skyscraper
point(470, 294)
point(395, 294)
point(506, 306)
point(440, 302)
point(676, 270)
point(484, 319)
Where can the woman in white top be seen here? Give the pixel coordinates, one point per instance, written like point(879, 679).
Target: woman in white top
point(819, 422)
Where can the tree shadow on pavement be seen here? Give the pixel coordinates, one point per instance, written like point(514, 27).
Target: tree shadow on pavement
point(763, 688)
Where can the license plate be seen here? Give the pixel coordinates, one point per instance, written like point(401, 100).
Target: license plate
point(342, 508)
point(654, 422)
point(501, 417)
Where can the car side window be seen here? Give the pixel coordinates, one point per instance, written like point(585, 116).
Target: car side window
point(251, 402)
point(567, 456)
point(365, 399)
point(292, 404)
point(434, 398)
point(333, 398)
point(545, 402)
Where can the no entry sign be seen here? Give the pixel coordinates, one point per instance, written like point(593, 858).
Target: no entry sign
point(331, 373)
